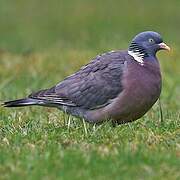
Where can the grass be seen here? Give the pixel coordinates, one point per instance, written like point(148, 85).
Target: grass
point(43, 42)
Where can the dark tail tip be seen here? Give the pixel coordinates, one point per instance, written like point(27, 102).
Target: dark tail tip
point(19, 103)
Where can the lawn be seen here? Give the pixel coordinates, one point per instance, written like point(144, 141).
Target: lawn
point(41, 42)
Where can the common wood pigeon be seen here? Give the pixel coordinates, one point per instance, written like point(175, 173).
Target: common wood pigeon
point(119, 85)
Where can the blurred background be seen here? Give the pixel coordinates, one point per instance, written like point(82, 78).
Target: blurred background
point(39, 25)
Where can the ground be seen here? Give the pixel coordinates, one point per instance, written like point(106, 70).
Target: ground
point(41, 42)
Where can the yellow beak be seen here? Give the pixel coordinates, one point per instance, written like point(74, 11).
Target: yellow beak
point(164, 46)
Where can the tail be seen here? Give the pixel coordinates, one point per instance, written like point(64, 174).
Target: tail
point(22, 102)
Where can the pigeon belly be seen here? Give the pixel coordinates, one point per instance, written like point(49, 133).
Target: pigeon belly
point(142, 88)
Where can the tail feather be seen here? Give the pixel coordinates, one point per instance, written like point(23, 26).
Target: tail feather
point(21, 102)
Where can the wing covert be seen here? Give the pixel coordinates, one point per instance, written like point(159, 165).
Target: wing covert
point(93, 86)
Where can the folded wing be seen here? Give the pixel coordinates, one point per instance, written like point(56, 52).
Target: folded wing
point(92, 87)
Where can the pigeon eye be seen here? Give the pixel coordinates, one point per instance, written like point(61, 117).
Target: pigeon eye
point(151, 40)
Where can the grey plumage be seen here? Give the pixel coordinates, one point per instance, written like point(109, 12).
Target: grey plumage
point(92, 86)
point(112, 86)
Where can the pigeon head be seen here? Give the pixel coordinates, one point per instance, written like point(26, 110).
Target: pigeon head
point(146, 44)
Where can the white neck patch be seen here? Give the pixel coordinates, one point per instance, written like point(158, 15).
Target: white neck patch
point(137, 56)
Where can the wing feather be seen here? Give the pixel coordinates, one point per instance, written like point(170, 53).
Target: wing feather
point(93, 86)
